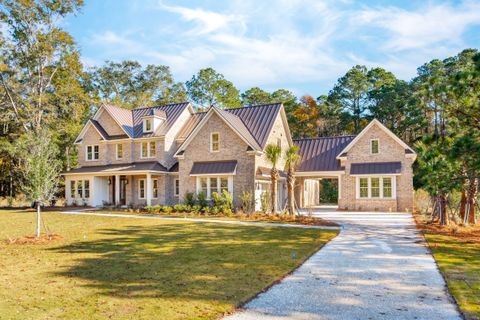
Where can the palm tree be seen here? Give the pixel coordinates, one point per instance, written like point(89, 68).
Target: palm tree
point(292, 159)
point(273, 153)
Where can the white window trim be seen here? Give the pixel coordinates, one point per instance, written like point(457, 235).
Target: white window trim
point(371, 151)
point(75, 189)
point(381, 177)
point(153, 188)
point(175, 193)
point(116, 151)
point(149, 155)
point(93, 152)
point(211, 141)
point(209, 191)
point(144, 188)
point(145, 125)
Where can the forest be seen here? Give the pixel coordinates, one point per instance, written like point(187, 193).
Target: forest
point(47, 93)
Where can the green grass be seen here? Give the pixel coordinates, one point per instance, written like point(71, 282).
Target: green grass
point(124, 268)
point(459, 262)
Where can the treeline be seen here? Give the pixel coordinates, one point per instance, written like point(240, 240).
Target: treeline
point(44, 86)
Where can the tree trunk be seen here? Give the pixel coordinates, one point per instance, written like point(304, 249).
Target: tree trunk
point(291, 185)
point(472, 195)
point(443, 210)
point(463, 203)
point(273, 177)
point(38, 220)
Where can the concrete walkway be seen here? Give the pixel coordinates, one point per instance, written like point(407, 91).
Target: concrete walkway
point(200, 220)
point(377, 268)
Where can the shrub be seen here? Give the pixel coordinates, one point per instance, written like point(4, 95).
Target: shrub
point(215, 210)
point(196, 209)
point(167, 209)
point(226, 210)
point(189, 199)
point(247, 202)
point(148, 209)
point(157, 208)
point(206, 210)
point(264, 201)
point(217, 199)
point(179, 208)
point(202, 199)
point(227, 199)
point(10, 201)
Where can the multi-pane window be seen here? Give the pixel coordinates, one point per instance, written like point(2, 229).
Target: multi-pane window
point(119, 151)
point(375, 187)
point(223, 184)
point(155, 189)
point(86, 188)
point(204, 185)
point(374, 146)
point(387, 187)
point(177, 187)
point(363, 187)
point(148, 149)
point(147, 125)
point(215, 142)
point(209, 185)
point(72, 188)
point(141, 189)
point(93, 153)
point(80, 188)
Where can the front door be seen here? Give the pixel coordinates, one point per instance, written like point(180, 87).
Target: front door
point(123, 190)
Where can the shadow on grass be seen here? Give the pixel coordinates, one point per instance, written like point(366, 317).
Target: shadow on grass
point(210, 262)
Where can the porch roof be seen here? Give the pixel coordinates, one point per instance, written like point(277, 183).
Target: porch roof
point(214, 167)
point(151, 166)
point(376, 168)
point(264, 172)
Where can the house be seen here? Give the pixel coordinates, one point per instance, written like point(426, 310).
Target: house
point(150, 156)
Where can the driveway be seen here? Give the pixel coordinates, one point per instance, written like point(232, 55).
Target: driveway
point(378, 267)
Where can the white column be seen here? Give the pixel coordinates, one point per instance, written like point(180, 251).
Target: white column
point(117, 189)
point(149, 189)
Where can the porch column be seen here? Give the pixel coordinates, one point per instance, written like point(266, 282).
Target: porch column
point(117, 189)
point(149, 189)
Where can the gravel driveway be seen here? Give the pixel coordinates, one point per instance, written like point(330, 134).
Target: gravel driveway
point(377, 268)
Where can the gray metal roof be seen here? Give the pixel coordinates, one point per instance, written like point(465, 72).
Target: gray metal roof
point(105, 133)
point(376, 168)
point(266, 172)
point(122, 116)
point(214, 167)
point(169, 111)
point(112, 168)
point(242, 129)
point(192, 122)
point(320, 154)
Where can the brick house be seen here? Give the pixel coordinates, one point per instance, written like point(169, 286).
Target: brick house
point(156, 155)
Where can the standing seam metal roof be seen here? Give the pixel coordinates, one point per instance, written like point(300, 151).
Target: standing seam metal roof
point(320, 154)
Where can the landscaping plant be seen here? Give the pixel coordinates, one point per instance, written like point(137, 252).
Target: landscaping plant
point(273, 153)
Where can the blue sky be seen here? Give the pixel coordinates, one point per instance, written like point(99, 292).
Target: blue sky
point(303, 46)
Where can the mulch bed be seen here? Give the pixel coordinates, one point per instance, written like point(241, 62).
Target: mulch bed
point(470, 234)
point(27, 240)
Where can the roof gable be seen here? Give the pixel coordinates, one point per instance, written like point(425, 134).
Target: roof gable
point(377, 123)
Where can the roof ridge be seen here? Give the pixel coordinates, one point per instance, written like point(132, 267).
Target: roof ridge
point(329, 137)
point(255, 106)
point(159, 106)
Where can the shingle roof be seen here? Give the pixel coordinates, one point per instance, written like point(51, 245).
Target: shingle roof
point(376, 168)
point(214, 167)
point(110, 168)
point(320, 154)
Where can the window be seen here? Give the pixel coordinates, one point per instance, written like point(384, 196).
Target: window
point(93, 153)
point(209, 185)
point(119, 151)
point(155, 189)
point(374, 146)
point(215, 142)
point(177, 187)
point(387, 187)
point(147, 150)
point(86, 189)
point(141, 189)
point(80, 188)
point(376, 187)
point(72, 189)
point(147, 125)
point(363, 187)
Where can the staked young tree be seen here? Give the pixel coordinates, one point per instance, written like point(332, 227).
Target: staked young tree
point(292, 160)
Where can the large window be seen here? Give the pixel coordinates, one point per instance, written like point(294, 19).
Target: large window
point(119, 151)
point(376, 187)
point(93, 153)
point(72, 188)
point(209, 185)
point(80, 189)
point(374, 146)
point(147, 150)
point(86, 188)
point(215, 142)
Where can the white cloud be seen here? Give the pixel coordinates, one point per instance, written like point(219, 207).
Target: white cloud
point(425, 26)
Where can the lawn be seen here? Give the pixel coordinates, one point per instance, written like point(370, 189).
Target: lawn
point(122, 268)
point(457, 252)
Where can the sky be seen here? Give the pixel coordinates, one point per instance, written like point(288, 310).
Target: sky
point(302, 46)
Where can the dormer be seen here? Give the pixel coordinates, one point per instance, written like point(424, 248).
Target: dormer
point(153, 120)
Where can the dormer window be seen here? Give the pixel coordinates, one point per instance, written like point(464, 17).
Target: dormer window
point(147, 125)
point(215, 142)
point(374, 146)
